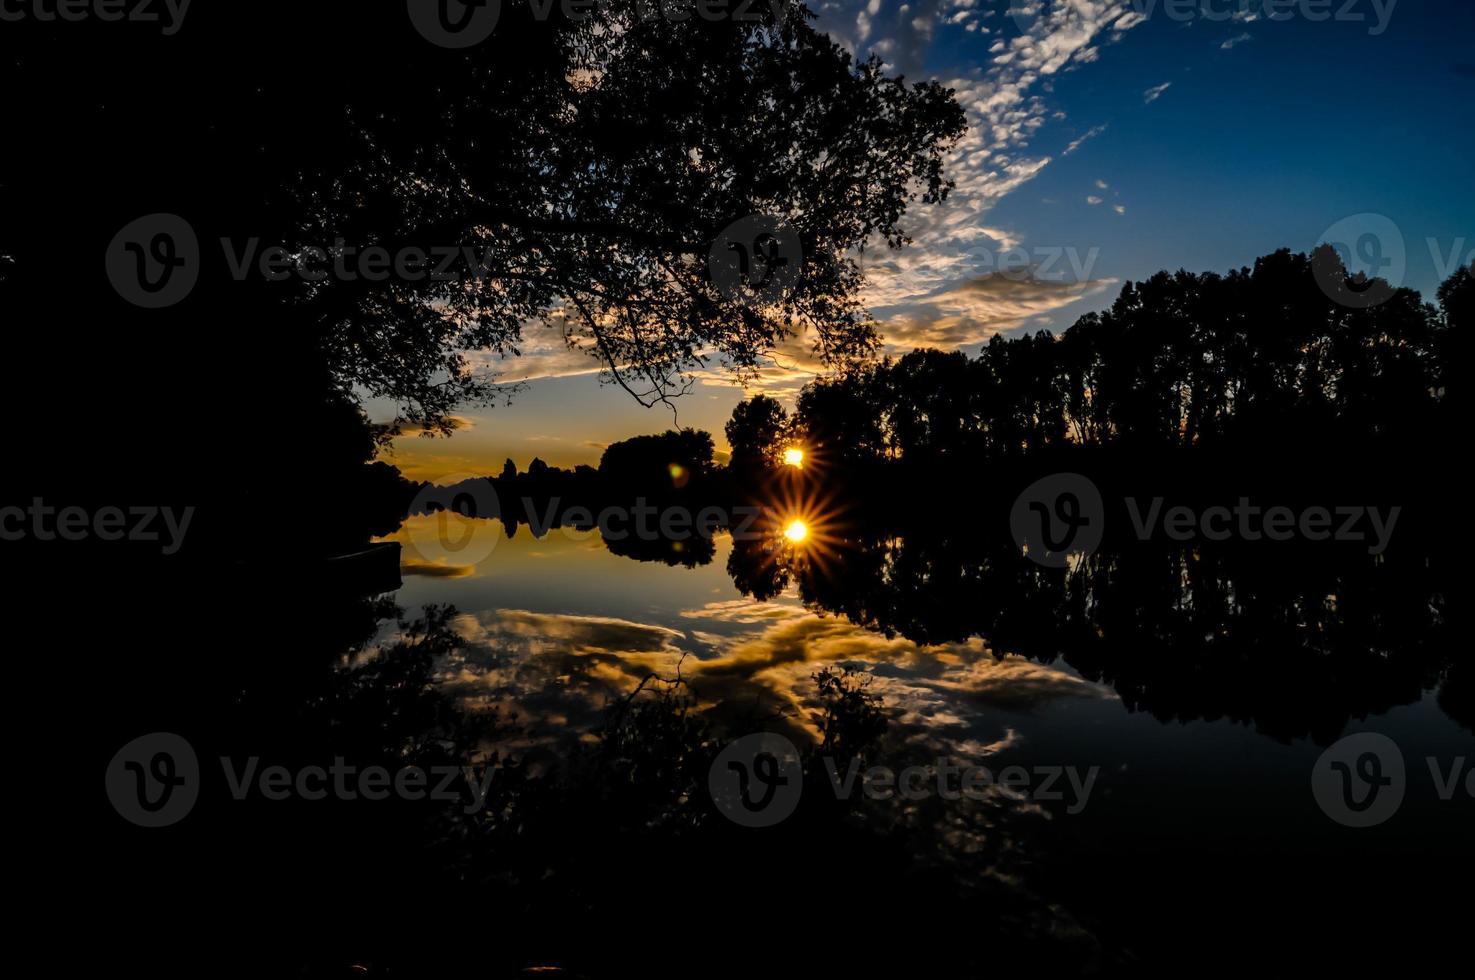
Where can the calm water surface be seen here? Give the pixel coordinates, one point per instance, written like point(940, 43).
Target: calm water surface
point(557, 627)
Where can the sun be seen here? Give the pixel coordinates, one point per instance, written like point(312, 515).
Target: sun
point(796, 531)
point(794, 456)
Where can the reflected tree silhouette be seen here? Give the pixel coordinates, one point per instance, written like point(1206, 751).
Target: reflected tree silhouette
point(1295, 641)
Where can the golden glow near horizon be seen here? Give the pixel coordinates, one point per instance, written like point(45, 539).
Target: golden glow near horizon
point(794, 456)
point(796, 531)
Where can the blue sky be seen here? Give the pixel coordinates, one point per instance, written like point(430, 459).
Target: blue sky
point(1265, 144)
point(1127, 135)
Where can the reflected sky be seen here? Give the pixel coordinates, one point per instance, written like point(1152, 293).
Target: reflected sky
point(558, 627)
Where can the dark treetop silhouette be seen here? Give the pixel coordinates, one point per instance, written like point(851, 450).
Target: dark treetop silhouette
point(587, 164)
point(1259, 361)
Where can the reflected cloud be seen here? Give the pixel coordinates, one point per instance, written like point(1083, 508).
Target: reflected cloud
point(556, 672)
point(745, 611)
point(434, 569)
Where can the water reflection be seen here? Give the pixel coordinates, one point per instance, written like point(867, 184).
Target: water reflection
point(1292, 640)
point(607, 687)
point(1295, 641)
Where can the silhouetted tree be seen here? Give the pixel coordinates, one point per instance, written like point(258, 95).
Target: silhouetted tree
point(658, 463)
point(1457, 301)
point(586, 164)
point(754, 432)
point(1260, 360)
point(841, 416)
point(591, 186)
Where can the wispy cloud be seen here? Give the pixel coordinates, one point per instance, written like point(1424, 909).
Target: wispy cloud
point(1237, 39)
point(1007, 104)
point(1076, 143)
point(1155, 93)
point(975, 310)
point(458, 422)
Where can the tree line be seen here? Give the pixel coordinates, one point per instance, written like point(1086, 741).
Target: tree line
point(1261, 356)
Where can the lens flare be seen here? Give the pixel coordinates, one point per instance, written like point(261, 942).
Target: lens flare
point(794, 456)
point(796, 531)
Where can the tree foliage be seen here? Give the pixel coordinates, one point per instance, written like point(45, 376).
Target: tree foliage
point(1257, 356)
point(591, 188)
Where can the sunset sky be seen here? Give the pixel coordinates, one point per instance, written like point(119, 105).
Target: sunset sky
point(1108, 139)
